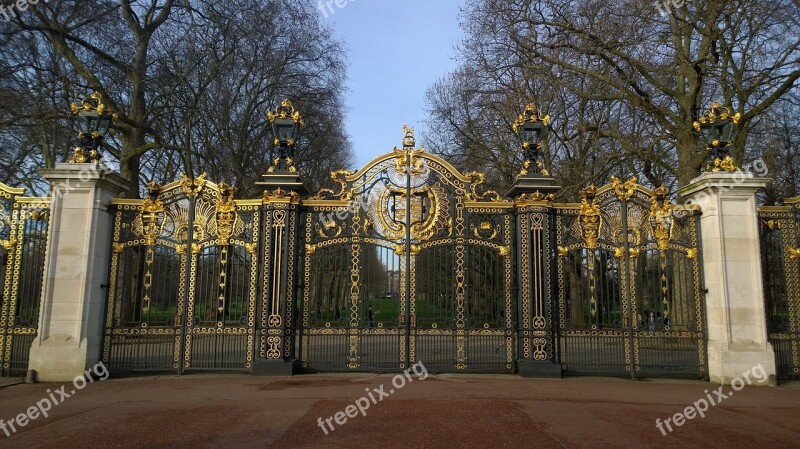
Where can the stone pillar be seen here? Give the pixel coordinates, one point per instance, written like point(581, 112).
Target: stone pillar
point(69, 340)
point(737, 326)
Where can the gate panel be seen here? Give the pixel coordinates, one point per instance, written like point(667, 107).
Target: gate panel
point(780, 260)
point(183, 276)
point(629, 284)
point(413, 238)
point(23, 239)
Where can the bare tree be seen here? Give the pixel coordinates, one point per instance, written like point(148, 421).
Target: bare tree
point(630, 80)
point(191, 81)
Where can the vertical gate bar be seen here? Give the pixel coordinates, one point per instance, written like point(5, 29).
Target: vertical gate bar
point(408, 329)
point(111, 292)
point(252, 290)
point(700, 298)
point(187, 295)
point(552, 271)
point(18, 239)
point(628, 323)
point(794, 290)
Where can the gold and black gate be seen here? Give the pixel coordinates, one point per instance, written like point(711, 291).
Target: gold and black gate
point(183, 282)
point(407, 260)
point(23, 239)
point(628, 280)
point(780, 259)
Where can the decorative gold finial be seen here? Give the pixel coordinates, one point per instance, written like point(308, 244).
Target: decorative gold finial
point(661, 217)
point(590, 217)
point(409, 141)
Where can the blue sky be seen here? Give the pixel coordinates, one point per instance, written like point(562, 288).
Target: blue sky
point(396, 50)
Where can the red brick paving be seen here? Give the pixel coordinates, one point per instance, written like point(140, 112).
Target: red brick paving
point(233, 411)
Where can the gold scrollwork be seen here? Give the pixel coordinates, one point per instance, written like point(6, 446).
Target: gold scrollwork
point(409, 155)
point(476, 180)
point(40, 215)
point(661, 217)
point(280, 196)
point(151, 219)
point(251, 248)
point(329, 229)
point(535, 198)
point(590, 218)
point(485, 230)
point(428, 212)
point(340, 178)
point(540, 352)
point(794, 253)
point(274, 343)
point(9, 244)
point(192, 187)
point(624, 189)
point(225, 217)
point(400, 249)
point(721, 164)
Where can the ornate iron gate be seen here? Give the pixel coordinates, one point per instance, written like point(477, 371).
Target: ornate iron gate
point(23, 239)
point(629, 284)
point(407, 261)
point(183, 284)
point(780, 256)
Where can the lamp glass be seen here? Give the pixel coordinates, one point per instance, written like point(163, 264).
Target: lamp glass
point(284, 130)
point(103, 125)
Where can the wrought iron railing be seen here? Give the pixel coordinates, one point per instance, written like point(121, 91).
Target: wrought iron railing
point(780, 260)
point(23, 239)
point(629, 284)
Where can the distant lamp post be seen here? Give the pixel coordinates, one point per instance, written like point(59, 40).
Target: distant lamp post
point(718, 129)
point(286, 126)
point(532, 130)
point(94, 120)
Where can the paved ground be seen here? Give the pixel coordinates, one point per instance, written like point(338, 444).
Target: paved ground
point(232, 411)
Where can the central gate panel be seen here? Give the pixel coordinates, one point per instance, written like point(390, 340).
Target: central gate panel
point(407, 261)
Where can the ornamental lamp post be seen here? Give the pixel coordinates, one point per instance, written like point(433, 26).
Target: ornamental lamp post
point(286, 125)
point(532, 130)
point(718, 128)
point(94, 121)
